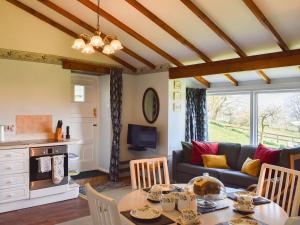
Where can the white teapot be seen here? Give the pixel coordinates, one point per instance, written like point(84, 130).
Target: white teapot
point(187, 200)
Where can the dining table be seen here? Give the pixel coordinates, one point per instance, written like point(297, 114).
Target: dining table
point(271, 213)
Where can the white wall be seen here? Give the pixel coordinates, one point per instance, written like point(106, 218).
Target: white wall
point(33, 88)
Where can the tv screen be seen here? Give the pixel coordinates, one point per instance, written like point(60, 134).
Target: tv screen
point(142, 136)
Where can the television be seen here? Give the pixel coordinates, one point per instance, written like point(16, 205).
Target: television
point(141, 137)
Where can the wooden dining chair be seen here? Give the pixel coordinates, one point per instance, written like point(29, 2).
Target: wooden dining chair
point(104, 210)
point(282, 186)
point(147, 172)
point(293, 221)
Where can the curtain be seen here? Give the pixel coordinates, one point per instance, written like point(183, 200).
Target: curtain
point(196, 115)
point(116, 86)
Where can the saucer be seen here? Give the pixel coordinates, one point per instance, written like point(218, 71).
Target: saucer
point(240, 209)
point(154, 200)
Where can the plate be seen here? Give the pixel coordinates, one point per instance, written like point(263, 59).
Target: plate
point(196, 222)
point(249, 193)
point(145, 213)
point(243, 221)
point(155, 200)
point(238, 208)
point(167, 187)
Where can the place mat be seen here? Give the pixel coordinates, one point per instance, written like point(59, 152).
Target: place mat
point(246, 217)
point(242, 212)
point(218, 207)
point(162, 220)
point(177, 189)
point(256, 201)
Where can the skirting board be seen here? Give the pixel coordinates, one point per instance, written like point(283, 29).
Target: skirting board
point(72, 193)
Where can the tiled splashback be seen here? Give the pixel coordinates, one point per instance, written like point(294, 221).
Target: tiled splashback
point(33, 124)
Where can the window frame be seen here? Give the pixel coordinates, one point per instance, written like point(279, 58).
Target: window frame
point(254, 106)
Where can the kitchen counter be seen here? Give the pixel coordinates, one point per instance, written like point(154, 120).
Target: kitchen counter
point(36, 143)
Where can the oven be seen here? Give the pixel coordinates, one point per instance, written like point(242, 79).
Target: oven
point(44, 180)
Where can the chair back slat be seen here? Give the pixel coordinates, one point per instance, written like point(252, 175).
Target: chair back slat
point(104, 210)
point(156, 172)
point(281, 186)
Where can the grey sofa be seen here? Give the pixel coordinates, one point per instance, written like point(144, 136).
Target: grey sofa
point(183, 170)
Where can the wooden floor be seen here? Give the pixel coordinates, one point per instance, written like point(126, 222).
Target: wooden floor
point(49, 214)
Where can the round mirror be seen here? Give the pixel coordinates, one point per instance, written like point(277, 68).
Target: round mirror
point(150, 105)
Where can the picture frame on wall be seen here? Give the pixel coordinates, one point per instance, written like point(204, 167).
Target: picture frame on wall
point(177, 85)
point(177, 96)
point(177, 107)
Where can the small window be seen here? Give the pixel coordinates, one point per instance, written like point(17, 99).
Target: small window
point(79, 93)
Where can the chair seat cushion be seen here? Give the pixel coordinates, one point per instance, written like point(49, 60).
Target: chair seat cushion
point(237, 178)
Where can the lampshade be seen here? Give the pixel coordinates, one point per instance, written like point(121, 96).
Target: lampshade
point(88, 49)
point(97, 41)
point(78, 44)
point(116, 44)
point(108, 50)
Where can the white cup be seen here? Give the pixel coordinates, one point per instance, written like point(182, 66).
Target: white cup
point(187, 200)
point(168, 202)
point(188, 216)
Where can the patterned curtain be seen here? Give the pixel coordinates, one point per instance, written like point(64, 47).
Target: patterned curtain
point(116, 86)
point(196, 115)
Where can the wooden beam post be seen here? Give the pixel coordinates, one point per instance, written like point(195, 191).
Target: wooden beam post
point(85, 67)
point(231, 79)
point(204, 82)
point(264, 76)
point(257, 62)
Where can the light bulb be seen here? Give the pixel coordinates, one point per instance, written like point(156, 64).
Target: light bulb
point(88, 49)
point(78, 44)
point(116, 44)
point(108, 50)
point(97, 41)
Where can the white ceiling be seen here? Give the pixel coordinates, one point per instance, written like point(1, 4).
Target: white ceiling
point(232, 16)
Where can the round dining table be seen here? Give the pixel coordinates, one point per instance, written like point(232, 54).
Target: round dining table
point(271, 213)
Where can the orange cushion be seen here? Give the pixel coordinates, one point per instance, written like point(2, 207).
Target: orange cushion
point(251, 167)
point(215, 161)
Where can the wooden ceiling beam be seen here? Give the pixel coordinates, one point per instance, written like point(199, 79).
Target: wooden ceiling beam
point(130, 31)
point(155, 19)
point(71, 33)
point(264, 76)
point(199, 13)
point(231, 79)
point(265, 22)
point(203, 81)
point(86, 26)
point(85, 67)
point(257, 62)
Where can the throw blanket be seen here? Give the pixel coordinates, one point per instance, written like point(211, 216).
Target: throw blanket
point(57, 168)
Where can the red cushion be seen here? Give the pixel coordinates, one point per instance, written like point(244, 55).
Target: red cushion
point(203, 148)
point(267, 155)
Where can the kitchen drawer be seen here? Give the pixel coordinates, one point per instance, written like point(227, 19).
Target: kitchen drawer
point(14, 180)
point(14, 154)
point(14, 167)
point(14, 194)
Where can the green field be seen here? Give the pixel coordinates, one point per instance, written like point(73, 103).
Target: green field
point(218, 132)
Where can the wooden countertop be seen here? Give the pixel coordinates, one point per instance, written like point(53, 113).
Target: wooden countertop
point(36, 143)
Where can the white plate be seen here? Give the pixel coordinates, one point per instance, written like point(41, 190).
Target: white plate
point(196, 222)
point(243, 221)
point(145, 213)
point(252, 194)
point(153, 199)
point(167, 187)
point(241, 209)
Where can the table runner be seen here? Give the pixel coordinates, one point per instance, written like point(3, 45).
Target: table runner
point(162, 220)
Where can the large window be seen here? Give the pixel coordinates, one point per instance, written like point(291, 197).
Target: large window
point(229, 118)
point(271, 118)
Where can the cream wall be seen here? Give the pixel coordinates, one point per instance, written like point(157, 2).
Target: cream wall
point(33, 88)
point(22, 31)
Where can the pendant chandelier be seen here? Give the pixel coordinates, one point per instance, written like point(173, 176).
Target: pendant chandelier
point(87, 43)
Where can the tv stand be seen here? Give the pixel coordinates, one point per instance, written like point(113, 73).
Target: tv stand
point(137, 148)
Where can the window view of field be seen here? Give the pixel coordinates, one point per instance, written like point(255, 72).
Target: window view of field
point(278, 119)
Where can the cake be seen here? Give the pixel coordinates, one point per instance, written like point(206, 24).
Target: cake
point(205, 187)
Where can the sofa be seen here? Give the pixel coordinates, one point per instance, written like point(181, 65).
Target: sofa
point(236, 154)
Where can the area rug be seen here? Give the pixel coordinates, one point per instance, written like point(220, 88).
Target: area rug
point(106, 187)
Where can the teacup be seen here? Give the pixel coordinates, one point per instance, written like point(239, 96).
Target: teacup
point(244, 203)
point(168, 202)
point(155, 193)
point(189, 216)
